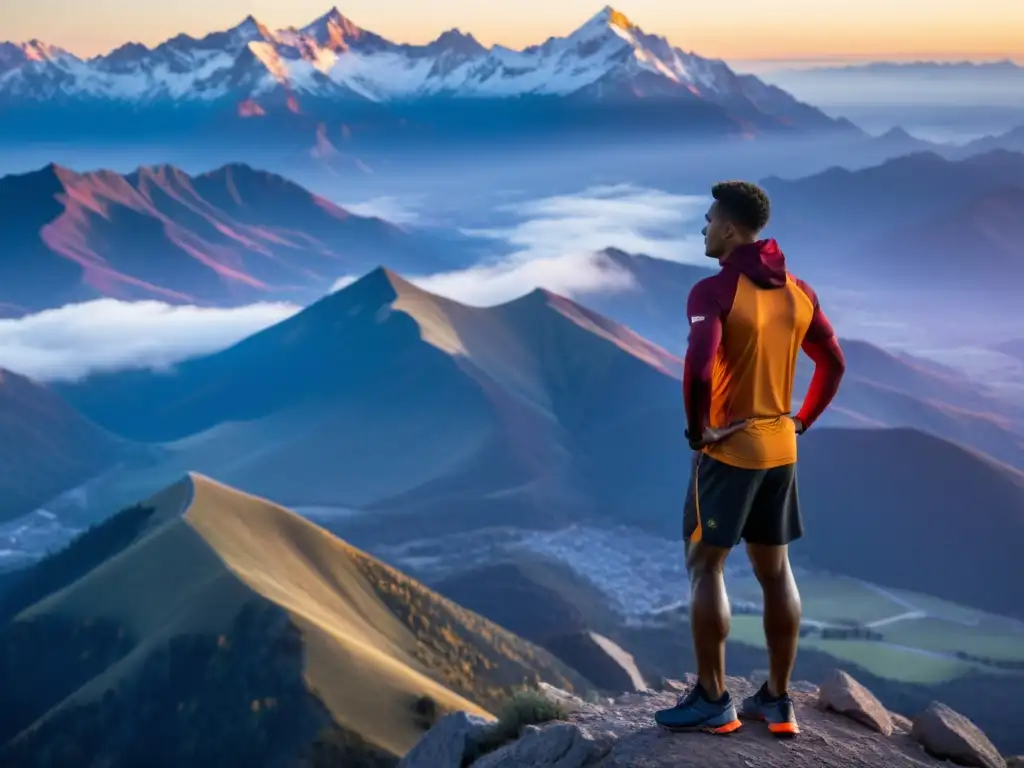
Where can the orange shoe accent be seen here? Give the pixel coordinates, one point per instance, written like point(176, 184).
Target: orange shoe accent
point(784, 729)
point(721, 730)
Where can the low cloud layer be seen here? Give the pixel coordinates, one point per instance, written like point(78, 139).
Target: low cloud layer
point(555, 243)
point(73, 341)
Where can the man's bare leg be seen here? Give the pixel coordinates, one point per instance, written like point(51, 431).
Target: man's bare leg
point(709, 614)
point(781, 612)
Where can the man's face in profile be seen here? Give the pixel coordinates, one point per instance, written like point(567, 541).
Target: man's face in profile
point(717, 233)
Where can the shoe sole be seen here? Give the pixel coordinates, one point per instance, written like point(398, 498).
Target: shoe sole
point(779, 730)
point(716, 730)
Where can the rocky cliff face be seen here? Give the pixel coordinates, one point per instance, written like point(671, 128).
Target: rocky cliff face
point(842, 726)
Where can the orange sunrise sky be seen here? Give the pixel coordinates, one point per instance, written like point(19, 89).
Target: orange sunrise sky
point(811, 30)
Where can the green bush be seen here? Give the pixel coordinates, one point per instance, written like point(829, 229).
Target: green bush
point(525, 707)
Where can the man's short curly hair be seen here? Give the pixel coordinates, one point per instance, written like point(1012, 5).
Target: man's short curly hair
point(743, 203)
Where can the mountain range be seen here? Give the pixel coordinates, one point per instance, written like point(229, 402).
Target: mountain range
point(231, 236)
point(954, 229)
point(394, 407)
point(332, 69)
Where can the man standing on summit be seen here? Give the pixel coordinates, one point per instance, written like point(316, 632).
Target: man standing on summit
point(748, 324)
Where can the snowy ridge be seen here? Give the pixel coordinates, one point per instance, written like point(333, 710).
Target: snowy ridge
point(333, 58)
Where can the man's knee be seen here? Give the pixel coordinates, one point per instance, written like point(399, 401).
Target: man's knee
point(770, 563)
point(705, 560)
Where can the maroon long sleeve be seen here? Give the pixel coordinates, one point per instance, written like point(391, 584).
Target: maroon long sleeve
point(821, 345)
point(704, 311)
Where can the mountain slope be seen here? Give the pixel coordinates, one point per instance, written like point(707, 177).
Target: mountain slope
point(332, 62)
point(904, 509)
point(231, 236)
point(312, 643)
point(48, 448)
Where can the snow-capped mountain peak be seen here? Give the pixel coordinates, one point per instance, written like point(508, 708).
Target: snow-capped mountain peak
point(37, 50)
point(336, 32)
point(606, 18)
point(334, 58)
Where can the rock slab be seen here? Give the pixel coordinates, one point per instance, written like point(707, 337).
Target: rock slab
point(559, 745)
point(841, 693)
point(446, 744)
point(948, 735)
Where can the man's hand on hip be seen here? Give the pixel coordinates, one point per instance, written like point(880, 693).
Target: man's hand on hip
point(714, 435)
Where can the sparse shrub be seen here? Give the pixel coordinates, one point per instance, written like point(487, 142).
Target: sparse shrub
point(525, 707)
point(529, 707)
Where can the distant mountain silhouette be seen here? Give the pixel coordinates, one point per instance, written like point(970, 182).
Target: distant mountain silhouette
point(227, 618)
point(978, 245)
point(431, 417)
point(231, 236)
point(47, 448)
point(942, 230)
point(839, 205)
point(1012, 140)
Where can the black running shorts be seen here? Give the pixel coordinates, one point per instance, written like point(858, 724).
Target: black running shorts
point(725, 504)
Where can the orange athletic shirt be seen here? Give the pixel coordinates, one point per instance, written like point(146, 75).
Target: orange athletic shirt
point(748, 325)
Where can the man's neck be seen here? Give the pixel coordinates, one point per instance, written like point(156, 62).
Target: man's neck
point(725, 257)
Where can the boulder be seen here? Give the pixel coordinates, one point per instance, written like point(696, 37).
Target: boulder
point(447, 743)
point(559, 745)
point(949, 735)
point(1015, 762)
point(905, 724)
point(841, 693)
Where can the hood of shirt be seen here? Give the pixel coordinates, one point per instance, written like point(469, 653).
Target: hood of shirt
point(762, 262)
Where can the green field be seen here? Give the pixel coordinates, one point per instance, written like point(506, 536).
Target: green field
point(916, 649)
point(830, 599)
point(985, 641)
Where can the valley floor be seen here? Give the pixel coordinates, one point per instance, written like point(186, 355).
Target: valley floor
point(899, 635)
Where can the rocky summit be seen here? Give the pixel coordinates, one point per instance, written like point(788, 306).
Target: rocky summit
point(842, 726)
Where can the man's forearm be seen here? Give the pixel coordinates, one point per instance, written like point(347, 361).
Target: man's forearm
point(697, 402)
point(829, 367)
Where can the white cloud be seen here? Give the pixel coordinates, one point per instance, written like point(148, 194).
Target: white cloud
point(569, 274)
point(557, 240)
point(78, 339)
point(632, 218)
point(385, 207)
